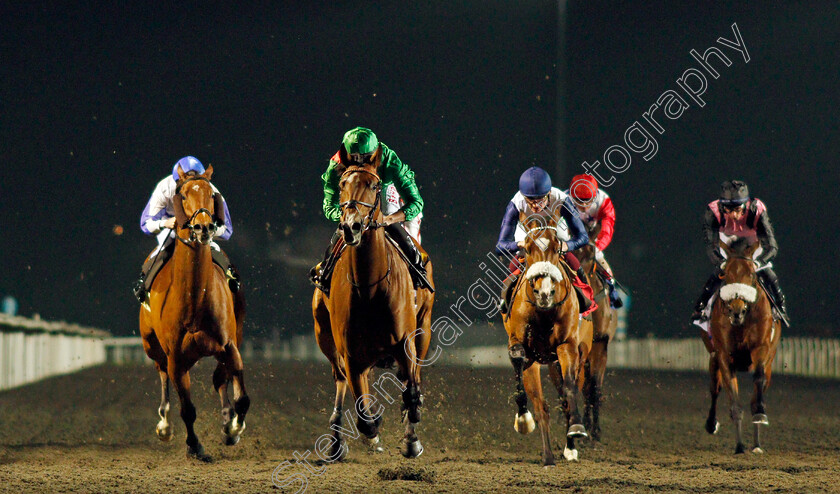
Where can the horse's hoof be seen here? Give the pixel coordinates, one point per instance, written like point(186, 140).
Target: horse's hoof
point(758, 450)
point(233, 431)
point(411, 449)
point(760, 418)
point(576, 430)
point(374, 444)
point(338, 452)
point(524, 424)
point(199, 454)
point(740, 449)
point(164, 431)
point(712, 428)
point(570, 454)
point(549, 463)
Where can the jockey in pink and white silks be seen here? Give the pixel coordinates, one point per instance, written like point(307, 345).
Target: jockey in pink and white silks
point(158, 218)
point(736, 215)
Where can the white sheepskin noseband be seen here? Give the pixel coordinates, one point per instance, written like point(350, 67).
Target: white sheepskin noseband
point(738, 290)
point(544, 268)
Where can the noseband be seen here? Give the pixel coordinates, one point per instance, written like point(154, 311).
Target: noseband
point(353, 203)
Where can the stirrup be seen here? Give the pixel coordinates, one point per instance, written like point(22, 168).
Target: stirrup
point(139, 290)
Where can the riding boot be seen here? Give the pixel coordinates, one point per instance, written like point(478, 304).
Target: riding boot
point(504, 300)
point(771, 281)
point(711, 286)
point(418, 267)
point(150, 269)
point(231, 273)
point(317, 276)
point(615, 300)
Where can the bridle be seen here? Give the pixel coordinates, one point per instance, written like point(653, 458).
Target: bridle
point(369, 221)
point(353, 203)
point(179, 210)
point(531, 281)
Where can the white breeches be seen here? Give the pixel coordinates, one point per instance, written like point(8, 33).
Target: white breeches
point(391, 203)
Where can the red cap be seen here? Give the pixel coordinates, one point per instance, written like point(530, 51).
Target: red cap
point(583, 188)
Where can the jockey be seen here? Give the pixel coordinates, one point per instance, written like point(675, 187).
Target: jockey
point(360, 147)
point(595, 207)
point(158, 219)
point(536, 196)
point(736, 215)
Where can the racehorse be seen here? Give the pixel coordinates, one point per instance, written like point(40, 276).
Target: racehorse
point(372, 312)
point(543, 329)
point(745, 337)
point(604, 322)
point(192, 314)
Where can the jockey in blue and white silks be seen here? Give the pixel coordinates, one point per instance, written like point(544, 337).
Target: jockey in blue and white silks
point(158, 218)
point(536, 197)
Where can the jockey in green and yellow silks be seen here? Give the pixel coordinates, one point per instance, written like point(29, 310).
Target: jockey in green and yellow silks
point(361, 147)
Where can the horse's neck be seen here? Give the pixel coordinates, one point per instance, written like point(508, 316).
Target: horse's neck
point(369, 261)
point(192, 266)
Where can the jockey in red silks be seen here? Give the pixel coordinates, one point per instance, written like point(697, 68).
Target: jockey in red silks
point(736, 215)
point(596, 208)
point(537, 197)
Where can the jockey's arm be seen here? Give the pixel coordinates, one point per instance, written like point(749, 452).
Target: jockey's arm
point(154, 217)
point(224, 231)
point(606, 217)
point(403, 178)
point(331, 193)
point(577, 231)
point(769, 247)
point(711, 237)
point(506, 243)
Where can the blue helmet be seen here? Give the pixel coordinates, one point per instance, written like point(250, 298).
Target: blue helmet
point(535, 182)
point(187, 164)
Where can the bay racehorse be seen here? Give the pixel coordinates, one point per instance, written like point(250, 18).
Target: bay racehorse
point(745, 337)
point(543, 329)
point(191, 313)
point(372, 312)
point(604, 322)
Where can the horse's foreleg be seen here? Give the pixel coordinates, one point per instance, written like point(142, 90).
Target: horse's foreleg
point(368, 420)
point(220, 383)
point(568, 359)
point(597, 363)
point(241, 402)
point(339, 449)
point(730, 381)
point(555, 372)
point(533, 386)
point(523, 423)
point(712, 424)
point(181, 379)
point(164, 428)
point(759, 416)
point(409, 374)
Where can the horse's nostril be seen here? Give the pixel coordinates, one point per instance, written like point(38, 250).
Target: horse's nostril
point(356, 226)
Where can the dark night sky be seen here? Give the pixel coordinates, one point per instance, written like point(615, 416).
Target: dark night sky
point(96, 104)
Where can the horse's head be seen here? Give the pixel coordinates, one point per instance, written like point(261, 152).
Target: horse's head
point(359, 202)
point(542, 255)
point(740, 289)
point(197, 208)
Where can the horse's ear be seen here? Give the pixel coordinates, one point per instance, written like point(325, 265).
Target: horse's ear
point(181, 174)
point(749, 251)
point(726, 249)
point(208, 172)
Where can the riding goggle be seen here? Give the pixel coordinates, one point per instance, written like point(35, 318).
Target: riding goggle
point(729, 208)
point(361, 158)
point(537, 202)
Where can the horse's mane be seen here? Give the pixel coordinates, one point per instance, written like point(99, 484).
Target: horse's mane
point(739, 245)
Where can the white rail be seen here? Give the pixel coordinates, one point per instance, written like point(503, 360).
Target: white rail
point(33, 349)
point(797, 356)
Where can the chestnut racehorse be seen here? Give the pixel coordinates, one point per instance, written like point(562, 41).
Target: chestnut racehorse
point(604, 322)
point(543, 329)
point(745, 337)
point(371, 312)
point(192, 314)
